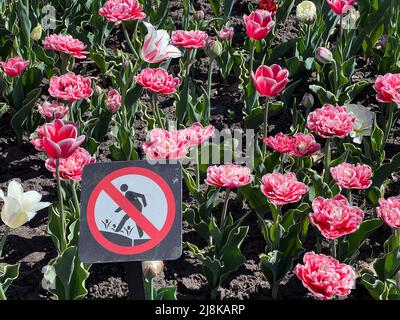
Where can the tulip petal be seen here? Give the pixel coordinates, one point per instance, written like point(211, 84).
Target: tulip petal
point(15, 190)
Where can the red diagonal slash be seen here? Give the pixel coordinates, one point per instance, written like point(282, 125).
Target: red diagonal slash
point(130, 210)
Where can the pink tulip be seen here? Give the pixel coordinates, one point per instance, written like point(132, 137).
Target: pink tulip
point(14, 67)
point(196, 134)
point(335, 217)
point(37, 138)
point(226, 33)
point(53, 109)
point(324, 55)
point(281, 189)
point(229, 176)
point(305, 145)
point(113, 101)
point(349, 176)
point(70, 87)
point(341, 6)
point(165, 145)
point(157, 80)
point(189, 39)
point(389, 211)
point(325, 276)
point(66, 44)
point(387, 88)
point(122, 10)
point(270, 81)
point(280, 142)
point(258, 24)
point(330, 121)
point(71, 168)
point(156, 46)
point(61, 139)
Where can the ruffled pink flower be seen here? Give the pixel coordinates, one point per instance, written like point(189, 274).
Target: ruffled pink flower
point(389, 211)
point(280, 143)
point(37, 138)
point(259, 24)
point(335, 217)
point(270, 81)
point(157, 80)
point(330, 121)
point(305, 145)
point(226, 33)
point(122, 10)
point(229, 176)
point(71, 168)
point(281, 189)
point(113, 101)
point(196, 134)
point(341, 6)
point(53, 109)
point(189, 39)
point(163, 144)
point(350, 176)
point(70, 87)
point(387, 88)
point(66, 44)
point(325, 276)
point(61, 139)
point(14, 67)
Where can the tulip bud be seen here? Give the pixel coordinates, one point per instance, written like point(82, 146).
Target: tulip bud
point(127, 64)
point(306, 12)
point(152, 268)
point(226, 33)
point(308, 101)
point(199, 15)
point(36, 33)
point(98, 90)
point(324, 55)
point(213, 48)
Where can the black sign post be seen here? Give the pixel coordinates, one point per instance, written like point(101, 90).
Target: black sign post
point(131, 212)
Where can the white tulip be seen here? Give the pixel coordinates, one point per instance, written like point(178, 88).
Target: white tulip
point(306, 12)
point(363, 125)
point(19, 207)
point(156, 46)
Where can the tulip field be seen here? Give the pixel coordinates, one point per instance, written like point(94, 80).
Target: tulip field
point(284, 118)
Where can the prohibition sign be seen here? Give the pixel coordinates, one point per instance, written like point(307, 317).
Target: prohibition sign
point(156, 235)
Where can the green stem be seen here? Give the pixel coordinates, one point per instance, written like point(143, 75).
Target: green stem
point(156, 111)
point(75, 198)
point(275, 290)
point(349, 196)
point(2, 294)
point(63, 240)
point(389, 121)
point(336, 79)
point(198, 169)
point(128, 39)
point(209, 83)
point(265, 128)
point(4, 238)
point(327, 160)
point(225, 209)
point(252, 50)
point(318, 239)
point(185, 93)
point(214, 292)
point(334, 248)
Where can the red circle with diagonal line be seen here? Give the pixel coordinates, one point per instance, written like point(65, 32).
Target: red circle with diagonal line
point(156, 236)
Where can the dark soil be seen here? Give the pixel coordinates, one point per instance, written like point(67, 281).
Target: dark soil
point(31, 246)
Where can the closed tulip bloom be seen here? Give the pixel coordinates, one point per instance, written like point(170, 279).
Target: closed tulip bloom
point(66, 44)
point(226, 33)
point(325, 276)
point(389, 211)
point(268, 5)
point(341, 6)
point(270, 81)
point(122, 10)
point(156, 46)
point(335, 217)
point(193, 39)
point(71, 168)
point(349, 176)
point(157, 80)
point(258, 24)
point(304, 146)
point(330, 121)
point(152, 268)
point(53, 110)
point(196, 134)
point(70, 87)
point(306, 12)
point(387, 88)
point(280, 142)
point(61, 139)
point(163, 144)
point(20, 207)
point(230, 176)
point(281, 189)
point(14, 67)
point(113, 101)
point(324, 55)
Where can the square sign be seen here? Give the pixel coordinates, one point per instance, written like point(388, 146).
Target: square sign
point(130, 211)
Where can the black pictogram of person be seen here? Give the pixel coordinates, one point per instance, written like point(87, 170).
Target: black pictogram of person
point(134, 198)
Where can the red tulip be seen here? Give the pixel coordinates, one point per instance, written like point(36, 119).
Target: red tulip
point(270, 81)
point(61, 139)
